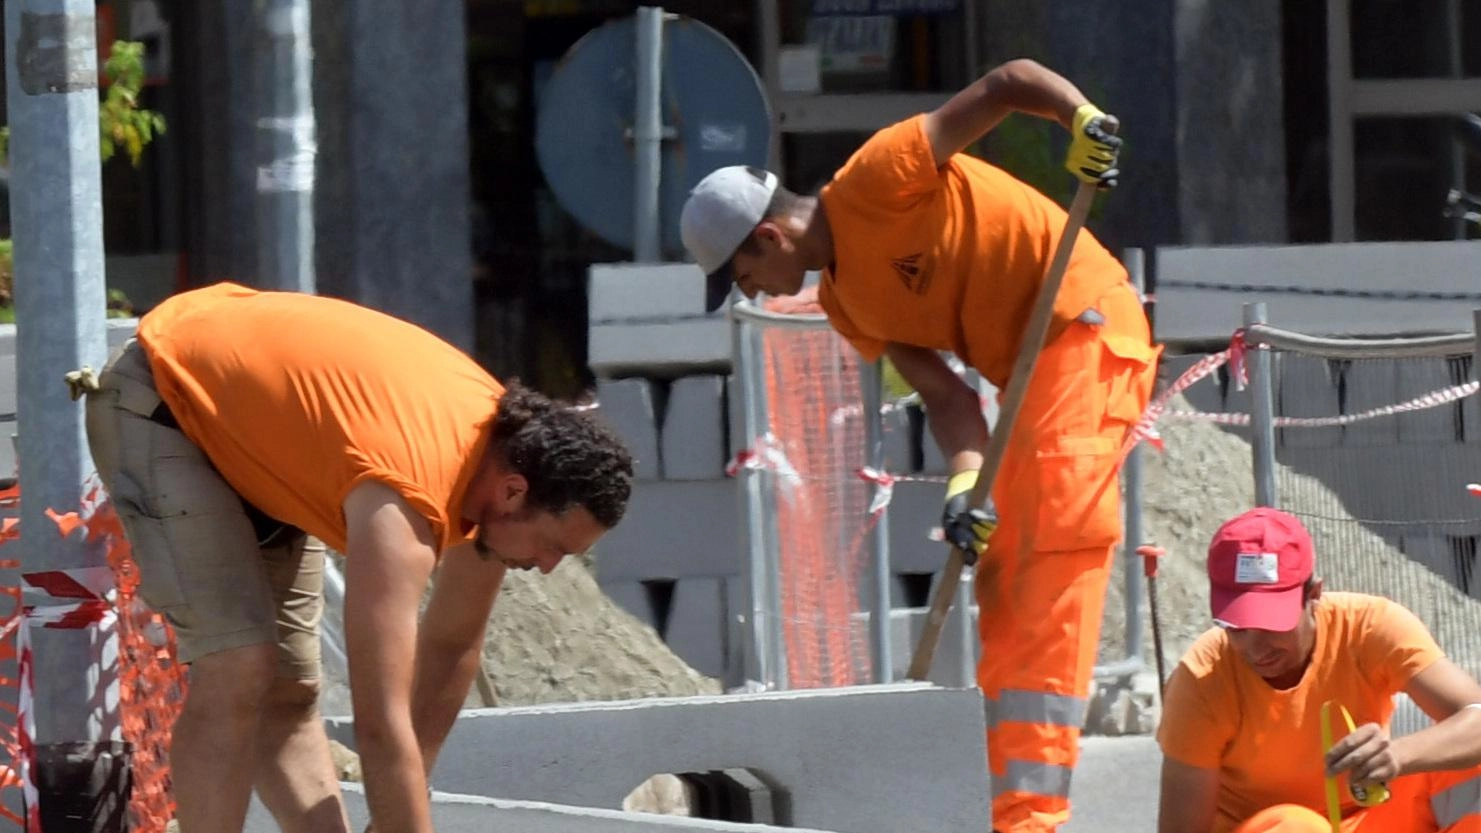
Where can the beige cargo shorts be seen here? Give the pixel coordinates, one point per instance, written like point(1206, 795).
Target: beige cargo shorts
point(200, 561)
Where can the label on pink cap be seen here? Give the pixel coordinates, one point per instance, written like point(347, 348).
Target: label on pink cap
point(1257, 568)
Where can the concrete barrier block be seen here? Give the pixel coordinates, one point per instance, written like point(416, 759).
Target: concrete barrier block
point(454, 813)
point(897, 437)
point(1438, 425)
point(830, 750)
point(735, 421)
point(633, 597)
point(661, 348)
point(693, 439)
point(1306, 387)
point(696, 627)
point(675, 529)
point(1205, 395)
point(642, 292)
point(1370, 384)
point(628, 408)
point(915, 509)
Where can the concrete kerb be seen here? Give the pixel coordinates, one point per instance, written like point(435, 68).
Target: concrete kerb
point(454, 813)
point(844, 757)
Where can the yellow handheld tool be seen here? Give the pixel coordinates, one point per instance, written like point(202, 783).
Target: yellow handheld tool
point(1367, 793)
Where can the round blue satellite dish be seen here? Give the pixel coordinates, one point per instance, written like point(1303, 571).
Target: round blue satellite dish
point(710, 96)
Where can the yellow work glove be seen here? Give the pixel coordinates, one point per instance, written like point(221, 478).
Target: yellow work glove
point(1093, 149)
point(965, 527)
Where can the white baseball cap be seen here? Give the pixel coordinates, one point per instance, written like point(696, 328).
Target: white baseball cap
point(719, 215)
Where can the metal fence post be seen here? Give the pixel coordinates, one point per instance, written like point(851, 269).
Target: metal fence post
point(285, 146)
point(872, 385)
point(51, 74)
point(1262, 410)
point(758, 659)
point(1131, 472)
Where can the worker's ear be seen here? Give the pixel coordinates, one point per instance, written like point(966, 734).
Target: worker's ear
point(768, 233)
point(1314, 590)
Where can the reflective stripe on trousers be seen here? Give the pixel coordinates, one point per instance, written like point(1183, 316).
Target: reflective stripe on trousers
point(1454, 803)
point(1019, 706)
point(1030, 777)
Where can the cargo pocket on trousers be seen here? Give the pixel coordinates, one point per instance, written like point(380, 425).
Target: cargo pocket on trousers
point(1079, 498)
point(153, 551)
point(1127, 376)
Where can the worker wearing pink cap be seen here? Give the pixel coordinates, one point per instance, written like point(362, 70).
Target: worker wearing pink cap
point(1241, 730)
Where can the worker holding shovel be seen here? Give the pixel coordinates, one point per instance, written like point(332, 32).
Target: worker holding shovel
point(1255, 723)
point(924, 249)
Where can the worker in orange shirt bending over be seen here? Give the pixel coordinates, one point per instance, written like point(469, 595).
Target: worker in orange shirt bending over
point(924, 249)
point(240, 421)
point(1241, 729)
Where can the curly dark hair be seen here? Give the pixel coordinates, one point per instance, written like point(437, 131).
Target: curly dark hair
point(568, 458)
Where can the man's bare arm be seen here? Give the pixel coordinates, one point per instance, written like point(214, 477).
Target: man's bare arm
point(1021, 85)
point(1443, 691)
point(953, 409)
point(450, 643)
point(1189, 798)
point(386, 568)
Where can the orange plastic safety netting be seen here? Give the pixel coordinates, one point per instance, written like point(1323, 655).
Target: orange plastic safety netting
point(821, 504)
point(152, 684)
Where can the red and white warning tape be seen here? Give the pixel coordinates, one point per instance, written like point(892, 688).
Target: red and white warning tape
point(86, 591)
point(767, 453)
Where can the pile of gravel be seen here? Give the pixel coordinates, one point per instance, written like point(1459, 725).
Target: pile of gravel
point(1203, 478)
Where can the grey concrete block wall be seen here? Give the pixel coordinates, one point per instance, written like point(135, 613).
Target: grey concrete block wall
point(696, 629)
point(628, 407)
point(1433, 425)
point(694, 429)
point(1306, 387)
point(1371, 384)
point(674, 529)
point(839, 753)
point(1190, 314)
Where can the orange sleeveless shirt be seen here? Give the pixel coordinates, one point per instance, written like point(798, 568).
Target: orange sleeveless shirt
point(297, 399)
point(948, 258)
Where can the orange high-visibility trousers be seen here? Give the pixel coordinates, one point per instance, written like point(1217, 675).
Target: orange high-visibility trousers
point(1426, 802)
point(1041, 584)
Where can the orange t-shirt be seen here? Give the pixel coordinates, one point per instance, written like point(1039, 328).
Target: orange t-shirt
point(948, 258)
point(1267, 744)
point(297, 399)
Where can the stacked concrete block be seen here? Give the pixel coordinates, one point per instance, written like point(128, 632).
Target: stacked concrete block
point(1209, 312)
point(649, 319)
point(1440, 425)
point(628, 408)
point(694, 430)
point(1370, 384)
point(1306, 387)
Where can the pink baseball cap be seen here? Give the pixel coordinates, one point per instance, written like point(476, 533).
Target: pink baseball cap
point(1258, 565)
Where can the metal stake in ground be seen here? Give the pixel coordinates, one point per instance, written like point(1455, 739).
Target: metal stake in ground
point(1029, 349)
point(1150, 554)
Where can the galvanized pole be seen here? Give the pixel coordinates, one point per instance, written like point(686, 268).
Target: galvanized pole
point(879, 537)
point(285, 146)
point(1262, 410)
point(57, 228)
point(648, 134)
point(760, 662)
point(1136, 268)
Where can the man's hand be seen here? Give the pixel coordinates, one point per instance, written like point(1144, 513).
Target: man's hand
point(1093, 148)
point(1366, 755)
point(966, 527)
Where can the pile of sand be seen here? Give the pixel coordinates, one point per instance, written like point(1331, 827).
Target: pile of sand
point(558, 638)
point(1204, 478)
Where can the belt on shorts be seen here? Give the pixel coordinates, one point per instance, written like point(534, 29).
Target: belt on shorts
point(270, 531)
